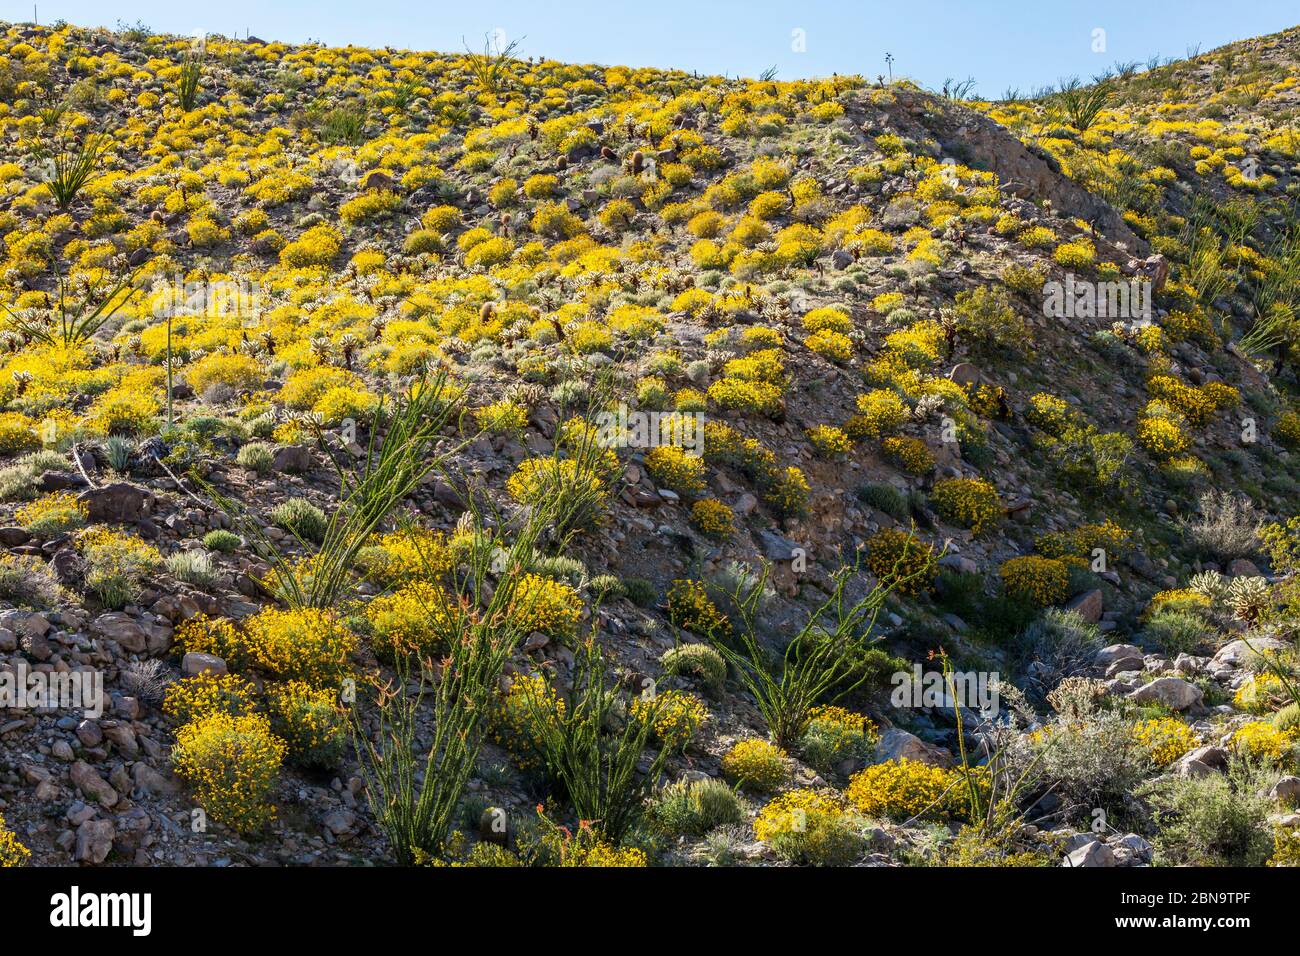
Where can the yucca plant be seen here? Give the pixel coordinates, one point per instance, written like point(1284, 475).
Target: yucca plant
point(342, 125)
point(491, 67)
point(187, 84)
point(67, 163)
point(816, 666)
point(391, 470)
point(72, 320)
point(1083, 104)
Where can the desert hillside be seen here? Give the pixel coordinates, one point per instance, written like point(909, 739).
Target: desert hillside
point(477, 459)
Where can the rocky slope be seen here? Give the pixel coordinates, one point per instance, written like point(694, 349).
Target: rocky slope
point(851, 284)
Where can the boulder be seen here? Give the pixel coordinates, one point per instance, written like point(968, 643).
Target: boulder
point(120, 502)
point(964, 373)
point(1094, 853)
point(195, 663)
point(95, 787)
point(1088, 605)
point(1116, 652)
point(292, 459)
point(896, 744)
point(1173, 692)
point(94, 841)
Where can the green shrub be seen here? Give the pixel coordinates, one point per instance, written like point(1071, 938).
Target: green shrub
point(222, 541)
point(301, 518)
point(699, 661)
point(693, 808)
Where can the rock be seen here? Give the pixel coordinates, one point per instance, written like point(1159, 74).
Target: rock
point(13, 537)
point(1095, 853)
point(959, 562)
point(1174, 692)
point(1088, 605)
point(1287, 790)
point(898, 744)
point(195, 663)
point(92, 784)
point(376, 179)
point(292, 459)
point(1117, 652)
point(1241, 568)
point(94, 841)
point(841, 260)
point(1238, 653)
point(89, 734)
point(777, 547)
point(119, 502)
point(1139, 846)
point(340, 822)
point(149, 781)
point(1201, 762)
point(122, 628)
point(1156, 268)
point(964, 373)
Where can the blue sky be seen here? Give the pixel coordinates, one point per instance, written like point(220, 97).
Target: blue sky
point(1000, 44)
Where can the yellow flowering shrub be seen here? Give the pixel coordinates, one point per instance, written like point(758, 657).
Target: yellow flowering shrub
point(811, 826)
point(233, 764)
point(1164, 739)
point(415, 619)
point(306, 644)
point(674, 715)
point(901, 789)
point(829, 440)
point(880, 413)
point(673, 468)
point(1162, 437)
point(690, 608)
point(1262, 741)
point(12, 852)
point(196, 697)
point(830, 344)
point(972, 502)
point(834, 735)
point(51, 514)
point(1035, 580)
point(310, 722)
point(542, 604)
point(911, 454)
point(236, 371)
point(899, 557)
point(516, 720)
point(712, 517)
point(756, 765)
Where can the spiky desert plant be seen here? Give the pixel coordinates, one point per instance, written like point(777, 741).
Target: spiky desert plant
point(414, 797)
point(491, 66)
point(76, 314)
point(187, 84)
point(816, 666)
point(596, 766)
point(67, 163)
point(1083, 104)
point(390, 470)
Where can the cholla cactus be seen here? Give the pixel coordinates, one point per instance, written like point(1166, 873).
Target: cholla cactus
point(927, 406)
point(1249, 598)
point(1212, 584)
